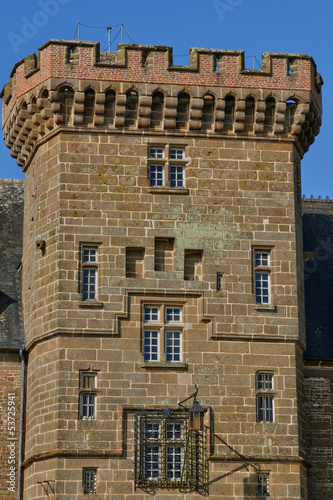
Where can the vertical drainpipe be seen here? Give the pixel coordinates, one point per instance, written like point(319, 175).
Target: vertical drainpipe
point(22, 406)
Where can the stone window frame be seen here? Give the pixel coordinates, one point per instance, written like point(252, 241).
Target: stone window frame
point(263, 484)
point(169, 162)
point(261, 269)
point(89, 480)
point(265, 411)
point(86, 390)
point(84, 267)
point(162, 326)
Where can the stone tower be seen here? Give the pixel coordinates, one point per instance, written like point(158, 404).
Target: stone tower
point(162, 237)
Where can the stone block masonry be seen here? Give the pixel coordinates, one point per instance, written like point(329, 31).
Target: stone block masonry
point(161, 251)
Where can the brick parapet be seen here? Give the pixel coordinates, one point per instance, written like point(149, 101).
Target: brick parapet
point(32, 106)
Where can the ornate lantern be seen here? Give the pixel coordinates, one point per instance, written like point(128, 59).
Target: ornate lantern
point(196, 414)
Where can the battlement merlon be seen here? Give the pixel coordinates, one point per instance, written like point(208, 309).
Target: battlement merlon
point(154, 64)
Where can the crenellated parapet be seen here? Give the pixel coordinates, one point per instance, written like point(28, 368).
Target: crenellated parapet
point(71, 85)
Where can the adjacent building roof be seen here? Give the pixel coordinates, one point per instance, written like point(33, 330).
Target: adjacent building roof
point(318, 277)
point(11, 231)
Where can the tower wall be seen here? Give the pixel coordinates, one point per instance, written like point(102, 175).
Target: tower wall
point(89, 185)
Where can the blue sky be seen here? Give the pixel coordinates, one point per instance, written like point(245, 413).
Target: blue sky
point(255, 26)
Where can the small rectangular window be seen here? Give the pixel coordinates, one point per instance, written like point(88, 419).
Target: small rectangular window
point(89, 282)
point(88, 380)
point(262, 287)
point(262, 277)
point(152, 430)
point(176, 176)
point(264, 381)
point(263, 485)
point(173, 341)
point(151, 314)
point(152, 463)
point(89, 481)
point(151, 345)
point(89, 273)
point(156, 153)
point(177, 154)
point(219, 283)
point(88, 406)
point(156, 175)
point(265, 408)
point(88, 396)
point(173, 314)
point(261, 259)
point(89, 254)
point(174, 459)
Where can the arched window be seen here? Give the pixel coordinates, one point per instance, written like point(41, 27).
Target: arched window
point(66, 98)
point(269, 115)
point(249, 114)
point(208, 112)
point(183, 108)
point(229, 113)
point(109, 110)
point(131, 111)
point(291, 106)
point(89, 106)
point(157, 107)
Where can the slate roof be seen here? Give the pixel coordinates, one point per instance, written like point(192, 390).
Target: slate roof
point(318, 277)
point(11, 231)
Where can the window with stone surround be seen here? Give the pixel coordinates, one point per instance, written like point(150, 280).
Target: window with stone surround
point(89, 481)
point(89, 272)
point(88, 395)
point(166, 167)
point(263, 485)
point(265, 397)
point(162, 333)
point(262, 277)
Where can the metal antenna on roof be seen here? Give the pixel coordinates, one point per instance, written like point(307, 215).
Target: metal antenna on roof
point(122, 31)
point(109, 37)
point(78, 30)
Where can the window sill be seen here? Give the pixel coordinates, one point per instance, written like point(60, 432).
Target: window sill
point(268, 308)
point(91, 304)
point(163, 190)
point(163, 366)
